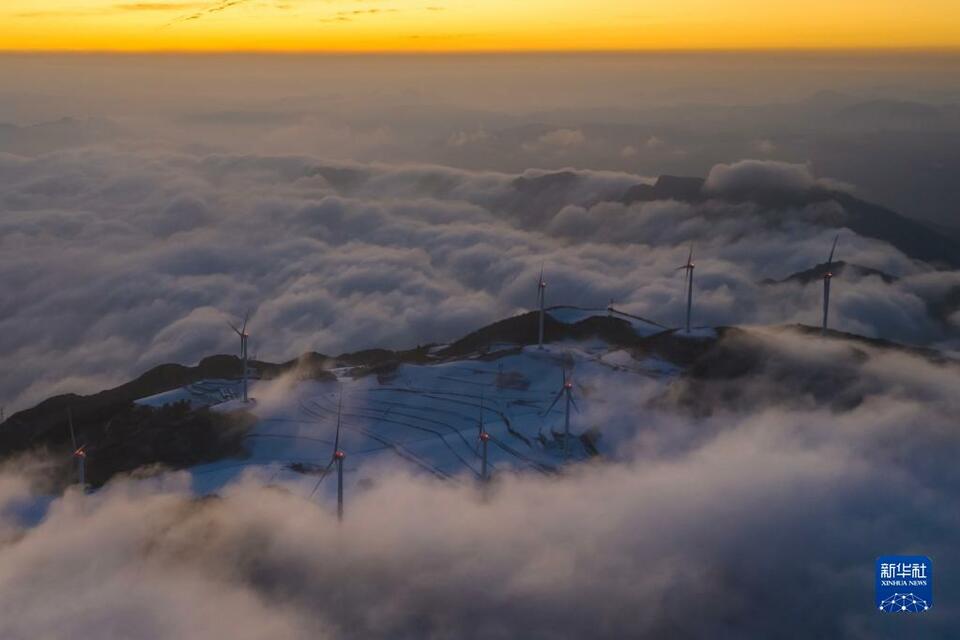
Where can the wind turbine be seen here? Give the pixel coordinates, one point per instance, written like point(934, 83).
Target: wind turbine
point(244, 336)
point(688, 279)
point(336, 459)
point(541, 302)
point(566, 389)
point(79, 454)
point(827, 277)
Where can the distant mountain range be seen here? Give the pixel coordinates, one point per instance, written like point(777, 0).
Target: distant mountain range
point(913, 238)
point(939, 247)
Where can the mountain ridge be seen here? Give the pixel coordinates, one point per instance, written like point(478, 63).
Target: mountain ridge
point(125, 435)
point(915, 239)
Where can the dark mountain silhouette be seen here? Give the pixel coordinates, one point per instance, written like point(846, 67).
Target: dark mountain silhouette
point(940, 308)
point(47, 421)
point(943, 308)
point(913, 238)
point(838, 268)
point(716, 380)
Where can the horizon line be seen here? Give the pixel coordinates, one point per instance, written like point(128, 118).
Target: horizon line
point(879, 50)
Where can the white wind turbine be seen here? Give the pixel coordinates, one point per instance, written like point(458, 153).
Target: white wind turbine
point(541, 303)
point(566, 390)
point(688, 279)
point(244, 337)
point(827, 277)
point(336, 459)
point(79, 454)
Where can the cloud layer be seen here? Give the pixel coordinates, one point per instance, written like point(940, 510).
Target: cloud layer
point(715, 527)
point(117, 261)
point(130, 234)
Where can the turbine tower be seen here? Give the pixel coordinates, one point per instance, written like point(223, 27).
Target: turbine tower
point(79, 454)
point(244, 336)
point(339, 455)
point(566, 390)
point(827, 277)
point(541, 303)
point(688, 279)
point(336, 459)
point(484, 438)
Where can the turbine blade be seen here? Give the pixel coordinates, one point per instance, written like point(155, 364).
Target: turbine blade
point(246, 318)
point(323, 475)
point(690, 257)
point(574, 403)
point(554, 403)
point(73, 437)
point(833, 250)
point(232, 326)
point(540, 288)
point(481, 409)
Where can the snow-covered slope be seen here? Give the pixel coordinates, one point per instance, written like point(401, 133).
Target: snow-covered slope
point(426, 417)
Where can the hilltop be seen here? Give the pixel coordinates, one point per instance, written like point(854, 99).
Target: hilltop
point(423, 405)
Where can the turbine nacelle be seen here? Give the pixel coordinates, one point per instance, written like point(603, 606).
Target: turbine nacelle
point(81, 452)
point(339, 455)
point(242, 329)
point(484, 437)
point(240, 332)
point(690, 263)
point(688, 282)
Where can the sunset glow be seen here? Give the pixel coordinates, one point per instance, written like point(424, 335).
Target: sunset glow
point(491, 25)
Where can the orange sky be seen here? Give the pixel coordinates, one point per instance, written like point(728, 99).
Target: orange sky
point(474, 25)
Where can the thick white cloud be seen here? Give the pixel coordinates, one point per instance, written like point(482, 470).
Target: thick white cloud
point(117, 261)
point(764, 175)
point(735, 517)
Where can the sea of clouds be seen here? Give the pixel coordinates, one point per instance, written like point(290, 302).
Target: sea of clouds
point(115, 261)
point(346, 210)
point(756, 521)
